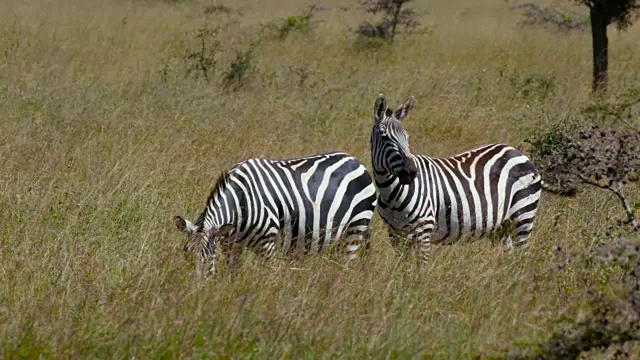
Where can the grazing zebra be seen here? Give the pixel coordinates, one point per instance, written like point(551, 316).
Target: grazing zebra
point(293, 206)
point(426, 199)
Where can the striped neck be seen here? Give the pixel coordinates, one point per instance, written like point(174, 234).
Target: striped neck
point(221, 208)
point(384, 178)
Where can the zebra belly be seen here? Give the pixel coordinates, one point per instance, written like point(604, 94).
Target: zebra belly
point(443, 235)
point(398, 221)
point(294, 239)
point(403, 226)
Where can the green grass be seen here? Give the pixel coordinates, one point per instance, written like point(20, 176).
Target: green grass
point(98, 152)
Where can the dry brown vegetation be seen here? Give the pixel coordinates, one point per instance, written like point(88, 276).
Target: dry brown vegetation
point(103, 138)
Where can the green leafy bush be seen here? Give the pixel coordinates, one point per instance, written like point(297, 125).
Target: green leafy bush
point(297, 23)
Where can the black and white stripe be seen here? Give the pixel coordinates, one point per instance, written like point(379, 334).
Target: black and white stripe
point(295, 206)
point(425, 199)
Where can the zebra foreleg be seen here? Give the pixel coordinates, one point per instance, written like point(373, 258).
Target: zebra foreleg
point(503, 240)
point(423, 246)
point(507, 243)
point(421, 238)
point(207, 265)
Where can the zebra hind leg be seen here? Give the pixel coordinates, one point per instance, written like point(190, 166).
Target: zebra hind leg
point(523, 224)
point(502, 237)
point(423, 245)
point(357, 239)
point(420, 236)
point(413, 243)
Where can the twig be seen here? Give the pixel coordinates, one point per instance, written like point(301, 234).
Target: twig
point(630, 216)
point(586, 180)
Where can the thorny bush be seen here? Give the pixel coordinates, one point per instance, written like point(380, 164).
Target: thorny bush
point(606, 158)
point(613, 316)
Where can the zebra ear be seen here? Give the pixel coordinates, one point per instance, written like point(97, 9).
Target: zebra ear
point(405, 108)
point(379, 108)
point(184, 225)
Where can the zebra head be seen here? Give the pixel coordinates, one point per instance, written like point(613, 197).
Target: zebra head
point(202, 243)
point(390, 142)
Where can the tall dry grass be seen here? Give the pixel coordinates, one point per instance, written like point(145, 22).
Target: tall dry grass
point(98, 152)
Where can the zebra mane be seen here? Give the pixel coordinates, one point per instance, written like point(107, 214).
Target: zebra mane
point(221, 185)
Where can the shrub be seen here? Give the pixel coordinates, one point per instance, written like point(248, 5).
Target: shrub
point(559, 19)
point(217, 9)
point(613, 318)
point(297, 23)
point(394, 14)
point(202, 49)
point(606, 158)
point(240, 69)
point(549, 148)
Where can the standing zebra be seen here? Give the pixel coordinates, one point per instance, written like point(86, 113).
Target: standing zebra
point(294, 206)
point(426, 199)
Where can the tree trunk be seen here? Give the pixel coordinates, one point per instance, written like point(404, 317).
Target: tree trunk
point(599, 24)
point(394, 22)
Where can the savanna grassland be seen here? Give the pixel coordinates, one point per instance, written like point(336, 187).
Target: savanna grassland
point(104, 138)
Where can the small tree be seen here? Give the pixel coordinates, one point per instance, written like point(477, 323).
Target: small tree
point(203, 47)
point(395, 14)
point(604, 13)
